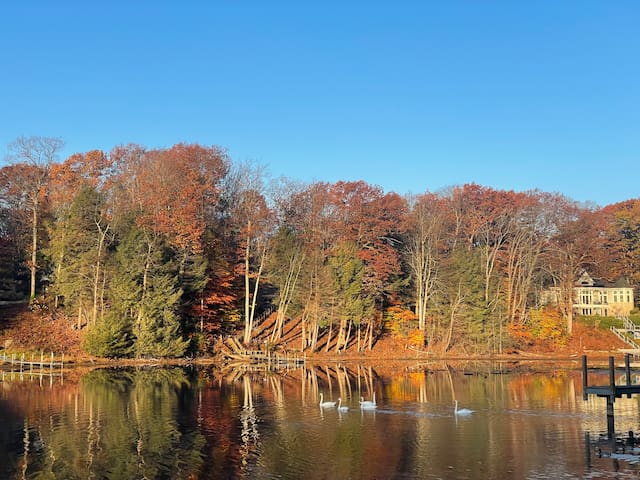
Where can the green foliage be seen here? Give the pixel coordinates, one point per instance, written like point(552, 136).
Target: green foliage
point(462, 297)
point(352, 302)
point(599, 321)
point(284, 262)
point(145, 291)
point(74, 250)
point(157, 328)
point(109, 338)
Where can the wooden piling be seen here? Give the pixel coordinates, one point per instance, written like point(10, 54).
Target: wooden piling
point(585, 382)
point(612, 377)
point(627, 371)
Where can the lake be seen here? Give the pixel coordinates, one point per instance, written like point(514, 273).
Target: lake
point(529, 420)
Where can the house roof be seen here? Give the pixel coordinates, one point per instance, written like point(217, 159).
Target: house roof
point(587, 280)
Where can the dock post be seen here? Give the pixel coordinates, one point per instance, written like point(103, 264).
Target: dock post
point(612, 378)
point(587, 448)
point(611, 398)
point(585, 382)
point(611, 430)
point(627, 371)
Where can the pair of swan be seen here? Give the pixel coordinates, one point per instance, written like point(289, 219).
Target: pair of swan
point(341, 408)
point(461, 411)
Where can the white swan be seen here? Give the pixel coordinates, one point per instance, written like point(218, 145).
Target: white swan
point(462, 411)
point(342, 408)
point(324, 404)
point(368, 404)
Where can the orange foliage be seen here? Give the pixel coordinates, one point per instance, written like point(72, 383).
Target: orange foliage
point(402, 324)
point(545, 327)
point(40, 331)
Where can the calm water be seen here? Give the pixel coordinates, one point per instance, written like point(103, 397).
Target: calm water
point(529, 421)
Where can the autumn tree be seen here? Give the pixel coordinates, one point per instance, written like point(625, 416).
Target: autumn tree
point(308, 215)
point(26, 181)
point(77, 176)
point(252, 224)
point(367, 217)
point(168, 193)
point(574, 247)
point(13, 271)
point(622, 240)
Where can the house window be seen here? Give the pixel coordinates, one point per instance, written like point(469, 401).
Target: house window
point(628, 298)
point(604, 297)
point(585, 297)
point(615, 296)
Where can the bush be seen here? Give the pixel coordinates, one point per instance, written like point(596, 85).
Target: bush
point(544, 327)
point(402, 324)
point(600, 321)
point(108, 339)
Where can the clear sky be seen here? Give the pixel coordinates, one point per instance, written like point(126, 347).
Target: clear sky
point(409, 95)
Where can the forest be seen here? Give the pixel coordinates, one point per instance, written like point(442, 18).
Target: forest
point(159, 252)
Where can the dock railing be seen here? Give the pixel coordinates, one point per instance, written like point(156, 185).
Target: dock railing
point(22, 360)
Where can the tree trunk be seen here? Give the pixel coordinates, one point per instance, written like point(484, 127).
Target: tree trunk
point(247, 287)
point(454, 310)
point(96, 278)
point(341, 332)
point(250, 321)
point(326, 349)
point(286, 296)
point(34, 250)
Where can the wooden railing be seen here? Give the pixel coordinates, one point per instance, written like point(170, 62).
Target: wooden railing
point(22, 360)
point(628, 333)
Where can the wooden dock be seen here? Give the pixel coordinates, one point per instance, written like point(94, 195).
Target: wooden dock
point(236, 352)
point(23, 362)
point(612, 390)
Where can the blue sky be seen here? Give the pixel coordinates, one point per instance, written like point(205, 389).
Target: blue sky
point(408, 95)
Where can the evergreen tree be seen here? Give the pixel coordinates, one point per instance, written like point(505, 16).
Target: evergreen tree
point(352, 304)
point(157, 330)
point(146, 291)
point(78, 246)
point(462, 306)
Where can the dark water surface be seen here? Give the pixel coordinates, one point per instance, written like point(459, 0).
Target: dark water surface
point(529, 421)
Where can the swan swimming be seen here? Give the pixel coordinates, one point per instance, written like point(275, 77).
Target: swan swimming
point(324, 404)
point(368, 404)
point(462, 411)
point(342, 408)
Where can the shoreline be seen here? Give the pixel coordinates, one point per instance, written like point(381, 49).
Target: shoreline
point(595, 358)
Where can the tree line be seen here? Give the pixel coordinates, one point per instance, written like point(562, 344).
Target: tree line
point(157, 252)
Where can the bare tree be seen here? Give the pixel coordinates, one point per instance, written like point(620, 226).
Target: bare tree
point(422, 246)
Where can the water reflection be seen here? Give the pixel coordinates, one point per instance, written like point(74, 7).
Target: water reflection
point(529, 421)
point(110, 424)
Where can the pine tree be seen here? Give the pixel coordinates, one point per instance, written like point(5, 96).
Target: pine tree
point(78, 246)
point(145, 291)
point(352, 302)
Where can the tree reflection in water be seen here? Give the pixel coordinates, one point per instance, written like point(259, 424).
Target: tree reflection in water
point(115, 424)
point(249, 449)
point(208, 423)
